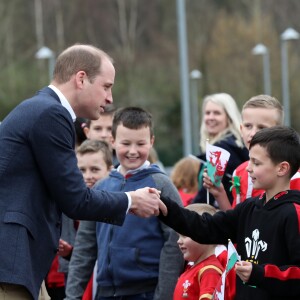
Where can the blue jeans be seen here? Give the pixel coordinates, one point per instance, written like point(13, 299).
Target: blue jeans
point(143, 296)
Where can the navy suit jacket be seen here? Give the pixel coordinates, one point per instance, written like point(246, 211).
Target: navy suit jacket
point(39, 179)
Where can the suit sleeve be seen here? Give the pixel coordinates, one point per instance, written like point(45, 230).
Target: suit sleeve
point(82, 261)
point(52, 141)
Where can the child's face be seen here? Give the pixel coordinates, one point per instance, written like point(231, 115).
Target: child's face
point(255, 119)
point(215, 118)
point(132, 147)
point(191, 250)
point(93, 167)
point(263, 172)
point(100, 129)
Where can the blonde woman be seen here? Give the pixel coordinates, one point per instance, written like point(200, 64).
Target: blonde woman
point(221, 120)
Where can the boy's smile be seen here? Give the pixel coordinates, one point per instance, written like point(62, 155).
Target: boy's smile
point(93, 167)
point(190, 249)
point(132, 147)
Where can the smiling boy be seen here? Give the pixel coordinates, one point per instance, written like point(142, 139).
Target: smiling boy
point(141, 259)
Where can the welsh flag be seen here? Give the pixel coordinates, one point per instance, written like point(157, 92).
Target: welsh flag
point(217, 159)
point(232, 258)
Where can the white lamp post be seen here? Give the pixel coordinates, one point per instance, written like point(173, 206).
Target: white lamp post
point(288, 34)
point(195, 76)
point(261, 49)
point(46, 53)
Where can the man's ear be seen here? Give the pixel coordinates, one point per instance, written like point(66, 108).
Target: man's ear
point(284, 168)
point(79, 78)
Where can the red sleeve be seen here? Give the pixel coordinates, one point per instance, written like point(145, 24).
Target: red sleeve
point(295, 181)
point(88, 293)
point(55, 278)
point(208, 282)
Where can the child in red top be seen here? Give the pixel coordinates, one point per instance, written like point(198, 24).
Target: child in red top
point(246, 185)
point(203, 270)
point(185, 177)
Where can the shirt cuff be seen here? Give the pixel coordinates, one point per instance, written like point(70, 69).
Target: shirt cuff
point(129, 201)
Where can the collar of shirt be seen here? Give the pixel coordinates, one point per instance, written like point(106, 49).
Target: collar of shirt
point(145, 165)
point(63, 100)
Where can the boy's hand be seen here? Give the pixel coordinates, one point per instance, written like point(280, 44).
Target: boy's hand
point(146, 203)
point(219, 193)
point(243, 270)
point(64, 248)
point(214, 190)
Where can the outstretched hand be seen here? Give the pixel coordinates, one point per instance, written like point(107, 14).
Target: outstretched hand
point(146, 203)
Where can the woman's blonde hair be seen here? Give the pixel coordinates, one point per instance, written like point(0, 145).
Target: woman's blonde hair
point(233, 115)
point(185, 174)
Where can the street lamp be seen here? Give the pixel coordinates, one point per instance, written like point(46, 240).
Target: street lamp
point(46, 53)
point(195, 76)
point(184, 78)
point(261, 49)
point(288, 34)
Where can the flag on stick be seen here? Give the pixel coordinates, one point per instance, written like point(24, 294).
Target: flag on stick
point(217, 159)
point(232, 258)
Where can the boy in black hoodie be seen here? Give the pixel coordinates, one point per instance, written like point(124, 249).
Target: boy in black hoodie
point(265, 229)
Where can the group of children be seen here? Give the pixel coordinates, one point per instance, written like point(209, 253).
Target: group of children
point(144, 259)
point(265, 227)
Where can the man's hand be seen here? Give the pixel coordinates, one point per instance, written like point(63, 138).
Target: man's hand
point(243, 270)
point(146, 203)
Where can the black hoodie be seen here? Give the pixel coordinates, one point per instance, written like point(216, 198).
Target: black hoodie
point(267, 234)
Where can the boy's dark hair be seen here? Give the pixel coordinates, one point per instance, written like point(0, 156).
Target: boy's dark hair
point(132, 118)
point(94, 146)
point(282, 143)
point(80, 123)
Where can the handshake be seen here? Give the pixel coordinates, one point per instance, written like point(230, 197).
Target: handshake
point(146, 202)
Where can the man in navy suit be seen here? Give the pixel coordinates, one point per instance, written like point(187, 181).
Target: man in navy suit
point(39, 177)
